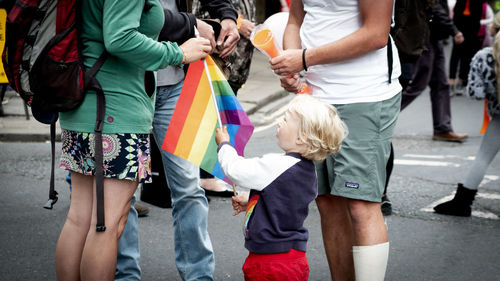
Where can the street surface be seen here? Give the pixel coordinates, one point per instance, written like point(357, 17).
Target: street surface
point(424, 245)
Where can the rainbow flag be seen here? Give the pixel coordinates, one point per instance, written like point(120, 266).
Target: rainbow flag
point(191, 132)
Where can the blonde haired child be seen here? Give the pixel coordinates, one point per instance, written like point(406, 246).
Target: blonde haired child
point(281, 188)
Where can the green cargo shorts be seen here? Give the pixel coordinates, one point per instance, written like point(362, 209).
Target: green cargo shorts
point(358, 170)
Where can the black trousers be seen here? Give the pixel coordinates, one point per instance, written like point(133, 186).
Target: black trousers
point(430, 71)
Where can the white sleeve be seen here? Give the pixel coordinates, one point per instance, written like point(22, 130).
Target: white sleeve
point(489, 16)
point(253, 173)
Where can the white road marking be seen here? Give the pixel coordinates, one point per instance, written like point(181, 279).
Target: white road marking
point(469, 158)
point(425, 163)
point(487, 179)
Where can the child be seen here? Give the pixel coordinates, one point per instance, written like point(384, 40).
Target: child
point(282, 186)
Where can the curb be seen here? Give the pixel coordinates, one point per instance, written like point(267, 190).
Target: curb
point(267, 100)
point(32, 135)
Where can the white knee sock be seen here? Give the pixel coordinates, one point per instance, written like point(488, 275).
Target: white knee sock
point(370, 262)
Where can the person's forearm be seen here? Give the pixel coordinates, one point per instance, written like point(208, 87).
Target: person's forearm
point(178, 26)
point(220, 9)
point(291, 37)
point(373, 35)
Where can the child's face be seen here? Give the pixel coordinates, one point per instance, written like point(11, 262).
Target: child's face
point(288, 133)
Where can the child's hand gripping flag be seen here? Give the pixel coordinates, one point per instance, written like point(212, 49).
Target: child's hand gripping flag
point(191, 133)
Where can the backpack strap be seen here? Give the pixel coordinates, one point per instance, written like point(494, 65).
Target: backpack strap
point(52, 192)
point(389, 58)
point(90, 74)
point(92, 84)
point(99, 157)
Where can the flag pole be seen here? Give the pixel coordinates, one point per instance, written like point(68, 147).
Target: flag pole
point(212, 92)
point(216, 107)
point(197, 34)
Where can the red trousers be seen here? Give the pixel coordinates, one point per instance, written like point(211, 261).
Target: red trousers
point(276, 267)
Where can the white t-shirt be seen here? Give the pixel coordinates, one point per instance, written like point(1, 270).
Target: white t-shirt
point(363, 79)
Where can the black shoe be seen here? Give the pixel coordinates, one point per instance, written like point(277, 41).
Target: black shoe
point(225, 193)
point(142, 210)
point(386, 206)
point(460, 205)
point(211, 185)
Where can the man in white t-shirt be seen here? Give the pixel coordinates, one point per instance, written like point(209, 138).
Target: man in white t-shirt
point(343, 46)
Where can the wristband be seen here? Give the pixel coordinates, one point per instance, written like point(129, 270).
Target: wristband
point(304, 59)
point(223, 143)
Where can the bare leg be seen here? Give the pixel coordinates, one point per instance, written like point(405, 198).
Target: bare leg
point(100, 251)
point(74, 232)
point(371, 247)
point(367, 223)
point(337, 235)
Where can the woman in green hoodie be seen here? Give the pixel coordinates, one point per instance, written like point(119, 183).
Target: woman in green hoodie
point(128, 32)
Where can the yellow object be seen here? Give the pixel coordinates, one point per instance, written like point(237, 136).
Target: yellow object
point(3, 21)
point(264, 40)
point(239, 21)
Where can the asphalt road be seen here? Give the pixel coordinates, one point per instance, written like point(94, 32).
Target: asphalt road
point(424, 245)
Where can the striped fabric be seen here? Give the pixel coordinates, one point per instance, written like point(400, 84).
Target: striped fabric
point(191, 133)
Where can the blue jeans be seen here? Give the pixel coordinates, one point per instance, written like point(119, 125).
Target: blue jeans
point(128, 258)
point(193, 249)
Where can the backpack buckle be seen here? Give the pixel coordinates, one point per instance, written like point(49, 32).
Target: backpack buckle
point(100, 228)
point(50, 203)
point(98, 126)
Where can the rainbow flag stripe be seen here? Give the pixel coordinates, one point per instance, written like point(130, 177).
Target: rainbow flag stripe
point(191, 132)
point(250, 206)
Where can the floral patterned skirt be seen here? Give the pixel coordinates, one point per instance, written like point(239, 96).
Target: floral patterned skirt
point(126, 156)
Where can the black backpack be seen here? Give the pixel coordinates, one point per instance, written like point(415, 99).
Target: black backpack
point(411, 31)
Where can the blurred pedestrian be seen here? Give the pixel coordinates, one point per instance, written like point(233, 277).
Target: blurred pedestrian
point(430, 71)
point(281, 188)
point(351, 63)
point(466, 17)
point(411, 35)
point(483, 84)
point(115, 27)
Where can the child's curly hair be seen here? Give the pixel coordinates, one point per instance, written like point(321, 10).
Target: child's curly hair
point(320, 127)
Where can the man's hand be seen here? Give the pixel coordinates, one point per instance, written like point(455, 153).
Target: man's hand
point(246, 28)
point(291, 83)
point(221, 135)
point(289, 62)
point(228, 37)
point(206, 31)
point(458, 38)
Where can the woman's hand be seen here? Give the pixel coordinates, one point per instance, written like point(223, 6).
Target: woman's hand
point(206, 31)
point(221, 135)
point(289, 62)
point(246, 28)
point(240, 203)
point(195, 49)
